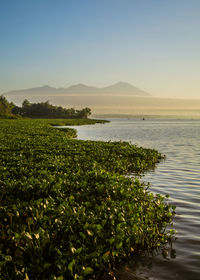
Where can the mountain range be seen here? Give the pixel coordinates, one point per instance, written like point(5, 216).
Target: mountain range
point(120, 88)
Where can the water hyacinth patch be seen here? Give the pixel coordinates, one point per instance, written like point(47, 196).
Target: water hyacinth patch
point(67, 210)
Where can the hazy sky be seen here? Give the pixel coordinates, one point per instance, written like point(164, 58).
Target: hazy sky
point(152, 44)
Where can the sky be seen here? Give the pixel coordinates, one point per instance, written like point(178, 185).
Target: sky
point(152, 44)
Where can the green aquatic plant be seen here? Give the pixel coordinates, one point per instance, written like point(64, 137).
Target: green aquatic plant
point(67, 210)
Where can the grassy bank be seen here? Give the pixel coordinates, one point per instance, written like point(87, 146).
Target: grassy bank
point(67, 210)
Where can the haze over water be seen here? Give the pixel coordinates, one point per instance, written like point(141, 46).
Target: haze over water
point(178, 176)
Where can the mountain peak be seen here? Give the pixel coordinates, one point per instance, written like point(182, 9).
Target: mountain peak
point(124, 89)
point(80, 85)
point(122, 84)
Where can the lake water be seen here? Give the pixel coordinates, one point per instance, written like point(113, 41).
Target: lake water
point(178, 176)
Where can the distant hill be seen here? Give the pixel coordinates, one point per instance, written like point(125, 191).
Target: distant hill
point(120, 88)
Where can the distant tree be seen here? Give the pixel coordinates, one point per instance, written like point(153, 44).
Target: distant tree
point(41, 110)
point(26, 103)
point(5, 107)
point(84, 113)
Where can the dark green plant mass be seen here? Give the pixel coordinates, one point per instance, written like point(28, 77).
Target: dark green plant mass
point(6, 108)
point(47, 110)
point(67, 210)
point(40, 110)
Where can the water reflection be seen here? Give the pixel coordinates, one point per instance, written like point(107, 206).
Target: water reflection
point(139, 267)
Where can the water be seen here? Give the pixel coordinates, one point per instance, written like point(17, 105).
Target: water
point(178, 176)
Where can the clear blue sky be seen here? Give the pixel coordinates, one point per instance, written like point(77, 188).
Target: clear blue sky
point(153, 44)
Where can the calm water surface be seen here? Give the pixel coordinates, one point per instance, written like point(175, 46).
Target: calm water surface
point(178, 176)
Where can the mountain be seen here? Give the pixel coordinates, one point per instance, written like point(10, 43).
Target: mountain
point(124, 88)
point(81, 88)
point(44, 90)
point(120, 88)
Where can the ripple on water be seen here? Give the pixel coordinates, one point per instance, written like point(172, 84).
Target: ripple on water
point(178, 176)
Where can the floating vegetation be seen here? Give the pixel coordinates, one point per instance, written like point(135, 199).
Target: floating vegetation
point(67, 210)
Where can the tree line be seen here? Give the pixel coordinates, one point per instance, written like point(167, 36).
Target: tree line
point(40, 110)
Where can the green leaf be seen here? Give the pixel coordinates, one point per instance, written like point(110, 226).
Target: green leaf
point(70, 266)
point(88, 270)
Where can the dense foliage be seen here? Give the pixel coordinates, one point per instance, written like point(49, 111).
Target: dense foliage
point(67, 211)
point(6, 108)
point(46, 110)
point(40, 110)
